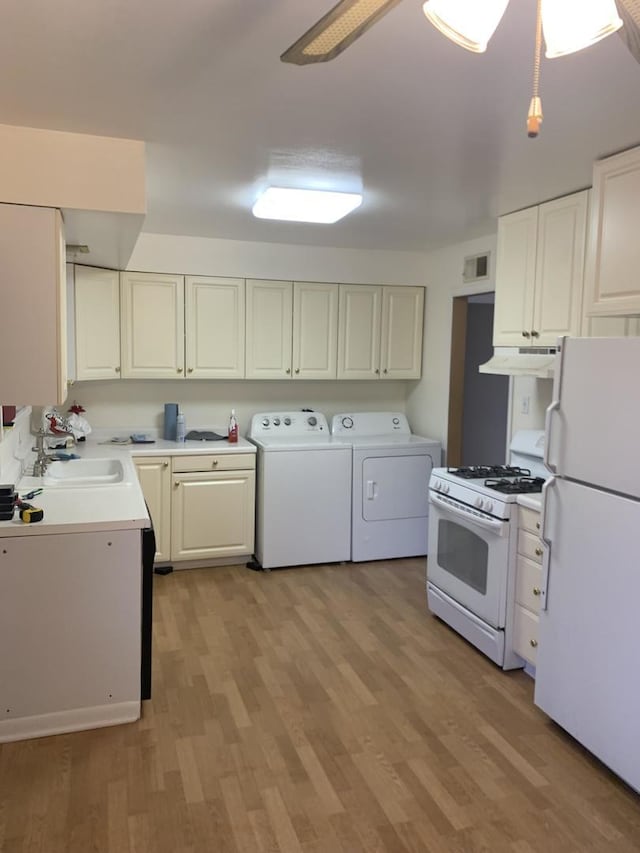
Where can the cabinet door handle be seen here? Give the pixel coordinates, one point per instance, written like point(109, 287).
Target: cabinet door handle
point(536, 590)
point(533, 643)
point(176, 484)
point(385, 370)
point(190, 370)
point(117, 370)
point(539, 552)
point(526, 334)
point(165, 464)
point(535, 334)
point(377, 370)
point(179, 370)
point(288, 370)
point(297, 370)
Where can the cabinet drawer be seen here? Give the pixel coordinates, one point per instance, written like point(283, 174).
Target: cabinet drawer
point(529, 519)
point(525, 633)
point(530, 545)
point(214, 462)
point(528, 580)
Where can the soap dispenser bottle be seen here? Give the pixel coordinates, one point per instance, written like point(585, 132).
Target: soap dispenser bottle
point(181, 427)
point(233, 428)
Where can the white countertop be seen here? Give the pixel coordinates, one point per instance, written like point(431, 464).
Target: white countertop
point(531, 502)
point(117, 506)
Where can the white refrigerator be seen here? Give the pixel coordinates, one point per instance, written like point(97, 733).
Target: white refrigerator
point(588, 662)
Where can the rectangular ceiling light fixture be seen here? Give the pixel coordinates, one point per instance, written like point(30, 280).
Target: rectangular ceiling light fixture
point(336, 30)
point(293, 205)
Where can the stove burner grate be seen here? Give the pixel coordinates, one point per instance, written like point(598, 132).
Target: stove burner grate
point(481, 472)
point(519, 486)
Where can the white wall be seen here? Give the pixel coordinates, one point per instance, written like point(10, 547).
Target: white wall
point(428, 400)
point(531, 394)
point(15, 447)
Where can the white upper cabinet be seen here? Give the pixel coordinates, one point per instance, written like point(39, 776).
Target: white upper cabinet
point(380, 332)
point(610, 327)
point(214, 327)
point(315, 330)
point(152, 315)
point(539, 272)
point(33, 342)
point(97, 323)
point(401, 336)
point(612, 280)
point(268, 329)
point(359, 331)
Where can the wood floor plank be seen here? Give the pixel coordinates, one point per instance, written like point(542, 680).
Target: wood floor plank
point(315, 710)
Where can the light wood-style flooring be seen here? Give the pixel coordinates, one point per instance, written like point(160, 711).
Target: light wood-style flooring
point(319, 710)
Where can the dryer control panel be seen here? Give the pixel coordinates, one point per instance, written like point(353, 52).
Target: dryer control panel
point(370, 423)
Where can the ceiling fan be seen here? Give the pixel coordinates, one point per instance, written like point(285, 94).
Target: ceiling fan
point(568, 26)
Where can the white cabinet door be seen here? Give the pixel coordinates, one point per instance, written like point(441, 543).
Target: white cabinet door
point(515, 278)
point(214, 327)
point(401, 337)
point(559, 268)
point(97, 323)
point(268, 329)
point(610, 327)
point(315, 330)
point(33, 340)
point(154, 473)
point(152, 328)
point(213, 515)
point(612, 279)
point(359, 331)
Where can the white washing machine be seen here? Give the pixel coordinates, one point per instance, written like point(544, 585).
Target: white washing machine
point(303, 490)
point(390, 484)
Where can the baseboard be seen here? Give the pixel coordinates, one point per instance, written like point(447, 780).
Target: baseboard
point(74, 720)
point(178, 565)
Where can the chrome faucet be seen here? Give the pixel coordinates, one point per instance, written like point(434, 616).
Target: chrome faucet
point(42, 457)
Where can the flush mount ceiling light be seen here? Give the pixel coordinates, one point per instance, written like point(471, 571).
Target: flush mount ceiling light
point(569, 25)
point(294, 205)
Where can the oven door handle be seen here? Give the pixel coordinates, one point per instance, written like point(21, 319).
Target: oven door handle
point(492, 524)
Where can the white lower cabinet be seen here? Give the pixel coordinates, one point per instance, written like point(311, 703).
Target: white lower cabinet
point(213, 506)
point(528, 583)
point(154, 473)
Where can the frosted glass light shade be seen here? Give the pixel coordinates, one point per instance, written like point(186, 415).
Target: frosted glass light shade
point(469, 23)
point(294, 205)
point(570, 25)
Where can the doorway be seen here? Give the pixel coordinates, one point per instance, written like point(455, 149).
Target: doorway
point(478, 402)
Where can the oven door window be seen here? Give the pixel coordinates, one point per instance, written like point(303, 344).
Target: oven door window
point(463, 554)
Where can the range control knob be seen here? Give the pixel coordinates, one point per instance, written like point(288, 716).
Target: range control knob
point(265, 422)
point(276, 421)
point(488, 506)
point(287, 421)
point(446, 488)
point(312, 421)
point(347, 422)
point(437, 486)
point(479, 503)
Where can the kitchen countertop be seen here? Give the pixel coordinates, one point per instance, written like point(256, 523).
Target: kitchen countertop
point(531, 502)
point(118, 506)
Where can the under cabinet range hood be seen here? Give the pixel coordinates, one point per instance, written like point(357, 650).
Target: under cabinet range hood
point(511, 361)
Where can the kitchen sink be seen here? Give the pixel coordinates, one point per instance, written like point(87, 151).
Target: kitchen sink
point(84, 472)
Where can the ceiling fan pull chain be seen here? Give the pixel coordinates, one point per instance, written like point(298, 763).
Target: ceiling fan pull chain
point(534, 118)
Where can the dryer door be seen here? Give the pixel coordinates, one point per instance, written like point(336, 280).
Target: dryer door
point(395, 487)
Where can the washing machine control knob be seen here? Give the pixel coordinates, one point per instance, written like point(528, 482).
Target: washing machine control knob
point(479, 503)
point(276, 421)
point(265, 422)
point(347, 422)
point(287, 421)
point(396, 421)
point(312, 421)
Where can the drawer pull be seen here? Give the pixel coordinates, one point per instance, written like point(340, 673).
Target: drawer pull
point(533, 643)
point(214, 464)
point(538, 552)
point(537, 525)
point(536, 590)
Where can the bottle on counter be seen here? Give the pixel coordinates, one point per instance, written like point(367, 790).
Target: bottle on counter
point(233, 427)
point(181, 427)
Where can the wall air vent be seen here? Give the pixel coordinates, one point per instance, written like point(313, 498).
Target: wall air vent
point(476, 268)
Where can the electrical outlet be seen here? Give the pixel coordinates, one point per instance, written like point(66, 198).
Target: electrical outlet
point(524, 405)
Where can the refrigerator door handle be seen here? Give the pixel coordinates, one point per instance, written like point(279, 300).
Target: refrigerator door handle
point(546, 556)
point(548, 419)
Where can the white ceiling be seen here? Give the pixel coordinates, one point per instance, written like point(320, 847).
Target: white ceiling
point(434, 135)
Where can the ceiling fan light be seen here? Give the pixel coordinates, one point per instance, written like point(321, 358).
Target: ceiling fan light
point(469, 23)
point(571, 25)
point(296, 205)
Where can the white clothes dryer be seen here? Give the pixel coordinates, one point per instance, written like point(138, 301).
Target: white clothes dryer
point(390, 484)
point(303, 491)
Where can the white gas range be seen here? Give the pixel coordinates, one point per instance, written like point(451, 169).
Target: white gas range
point(472, 535)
